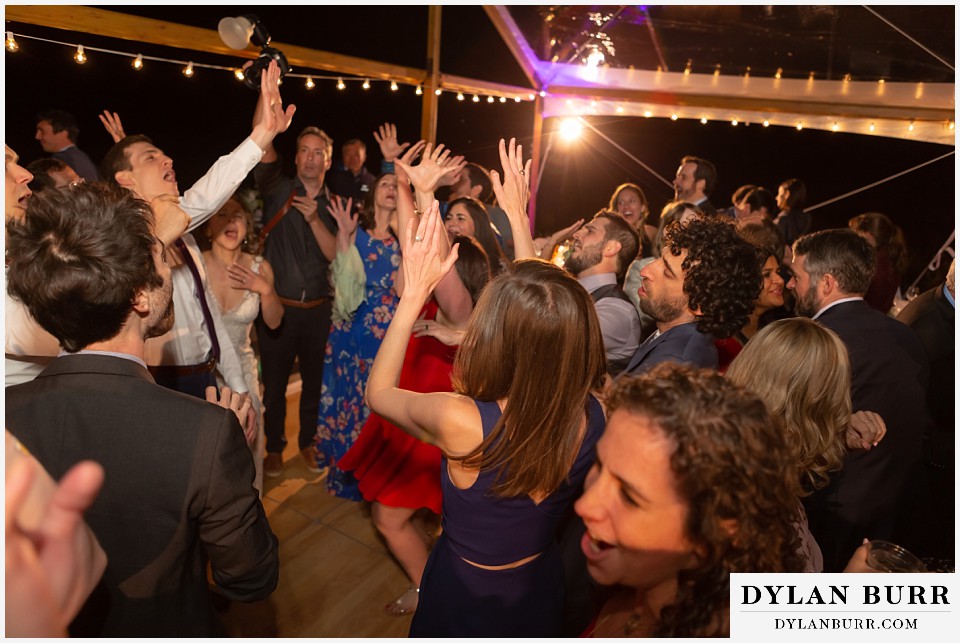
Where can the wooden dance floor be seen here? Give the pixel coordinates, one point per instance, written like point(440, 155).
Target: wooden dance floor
point(335, 572)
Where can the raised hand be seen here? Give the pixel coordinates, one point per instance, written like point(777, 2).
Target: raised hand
point(513, 194)
point(546, 244)
point(272, 119)
point(242, 278)
point(423, 267)
point(426, 175)
point(458, 162)
point(386, 137)
point(346, 223)
point(407, 159)
point(111, 122)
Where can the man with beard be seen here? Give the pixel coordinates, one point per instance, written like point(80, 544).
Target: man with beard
point(702, 287)
point(871, 495)
point(602, 252)
point(696, 178)
point(178, 491)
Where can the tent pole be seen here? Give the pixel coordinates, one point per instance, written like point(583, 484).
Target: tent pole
point(535, 168)
point(428, 117)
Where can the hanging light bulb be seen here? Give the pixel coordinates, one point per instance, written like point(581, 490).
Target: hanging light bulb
point(310, 84)
point(366, 83)
point(836, 126)
point(516, 99)
point(476, 99)
point(80, 57)
point(489, 99)
point(188, 70)
point(766, 123)
point(910, 127)
point(674, 117)
point(799, 126)
point(11, 43)
point(647, 114)
point(872, 127)
point(716, 70)
point(238, 74)
point(779, 73)
point(686, 71)
point(703, 120)
point(340, 84)
point(734, 122)
point(810, 79)
point(438, 91)
point(419, 90)
point(950, 125)
point(393, 86)
point(531, 96)
point(138, 62)
point(503, 99)
point(619, 109)
point(543, 94)
point(459, 95)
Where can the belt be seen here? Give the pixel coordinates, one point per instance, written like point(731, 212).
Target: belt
point(171, 370)
point(303, 304)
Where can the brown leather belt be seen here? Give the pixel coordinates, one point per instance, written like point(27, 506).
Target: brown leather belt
point(170, 370)
point(303, 304)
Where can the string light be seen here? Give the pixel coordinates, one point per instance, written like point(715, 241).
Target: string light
point(80, 57)
point(647, 114)
point(309, 84)
point(138, 62)
point(674, 117)
point(836, 127)
point(686, 71)
point(716, 71)
point(910, 127)
point(543, 94)
point(703, 120)
point(11, 43)
point(489, 99)
point(619, 109)
point(746, 74)
point(188, 70)
point(950, 125)
point(799, 126)
point(734, 122)
point(872, 127)
point(393, 86)
point(503, 99)
point(438, 91)
point(810, 79)
point(238, 74)
point(340, 84)
point(516, 99)
point(531, 96)
point(766, 123)
point(476, 99)
point(366, 83)
point(847, 78)
point(459, 95)
point(419, 90)
point(779, 73)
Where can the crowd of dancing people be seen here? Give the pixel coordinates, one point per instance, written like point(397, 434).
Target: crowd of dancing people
point(610, 418)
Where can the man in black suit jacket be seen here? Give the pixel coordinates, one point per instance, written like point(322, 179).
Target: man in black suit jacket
point(695, 180)
point(179, 476)
point(870, 496)
point(702, 286)
point(932, 316)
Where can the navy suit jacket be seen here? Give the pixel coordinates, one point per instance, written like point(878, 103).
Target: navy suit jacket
point(870, 495)
point(178, 494)
point(683, 343)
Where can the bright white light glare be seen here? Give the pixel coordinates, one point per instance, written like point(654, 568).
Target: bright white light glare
point(393, 86)
point(366, 83)
point(309, 84)
point(595, 58)
point(138, 62)
point(340, 84)
point(570, 129)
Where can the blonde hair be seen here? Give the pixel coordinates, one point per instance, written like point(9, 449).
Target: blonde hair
point(802, 373)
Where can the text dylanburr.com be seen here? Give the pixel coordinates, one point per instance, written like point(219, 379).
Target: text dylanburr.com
point(848, 607)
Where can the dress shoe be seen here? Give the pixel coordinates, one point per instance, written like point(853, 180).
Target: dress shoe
point(309, 455)
point(273, 465)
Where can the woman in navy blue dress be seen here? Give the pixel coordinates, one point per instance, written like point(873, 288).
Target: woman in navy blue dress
point(517, 434)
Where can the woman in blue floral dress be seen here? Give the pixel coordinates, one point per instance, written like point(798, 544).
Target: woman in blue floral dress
point(354, 339)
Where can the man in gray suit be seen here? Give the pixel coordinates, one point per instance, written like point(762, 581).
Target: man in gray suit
point(87, 264)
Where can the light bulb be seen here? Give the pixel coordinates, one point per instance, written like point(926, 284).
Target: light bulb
point(238, 74)
point(438, 91)
point(138, 63)
point(836, 127)
point(516, 99)
point(799, 126)
point(11, 43)
point(647, 114)
point(476, 99)
point(489, 99)
point(419, 90)
point(734, 122)
point(766, 123)
point(188, 70)
point(779, 73)
point(459, 95)
point(503, 99)
point(703, 120)
point(340, 84)
point(543, 94)
point(309, 84)
point(393, 86)
point(80, 57)
point(910, 127)
point(872, 127)
point(366, 83)
point(674, 117)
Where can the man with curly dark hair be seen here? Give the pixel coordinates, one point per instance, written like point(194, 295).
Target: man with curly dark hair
point(702, 287)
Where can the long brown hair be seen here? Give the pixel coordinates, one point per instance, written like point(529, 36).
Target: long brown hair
point(533, 328)
point(368, 210)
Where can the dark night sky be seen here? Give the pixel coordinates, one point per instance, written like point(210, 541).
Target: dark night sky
point(196, 120)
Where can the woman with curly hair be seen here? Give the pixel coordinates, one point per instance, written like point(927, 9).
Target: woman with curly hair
point(467, 216)
point(692, 483)
point(801, 371)
point(887, 239)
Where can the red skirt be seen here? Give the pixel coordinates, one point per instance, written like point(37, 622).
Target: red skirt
point(394, 468)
